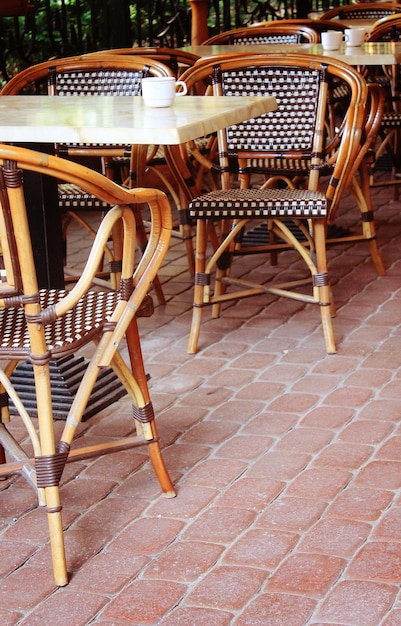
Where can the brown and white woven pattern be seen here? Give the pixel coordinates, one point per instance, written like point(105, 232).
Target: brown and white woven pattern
point(267, 39)
point(292, 126)
point(72, 197)
point(257, 203)
point(99, 82)
point(81, 322)
point(366, 13)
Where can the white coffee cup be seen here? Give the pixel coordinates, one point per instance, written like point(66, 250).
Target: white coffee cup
point(332, 39)
point(354, 36)
point(160, 91)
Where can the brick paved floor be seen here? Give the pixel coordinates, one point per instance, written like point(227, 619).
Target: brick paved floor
point(286, 463)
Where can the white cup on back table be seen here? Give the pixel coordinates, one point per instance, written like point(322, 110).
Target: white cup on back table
point(160, 91)
point(354, 36)
point(332, 39)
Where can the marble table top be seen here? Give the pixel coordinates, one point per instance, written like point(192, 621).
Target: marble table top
point(375, 53)
point(122, 119)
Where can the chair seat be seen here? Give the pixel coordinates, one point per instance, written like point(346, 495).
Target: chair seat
point(251, 203)
point(391, 119)
point(73, 197)
point(67, 333)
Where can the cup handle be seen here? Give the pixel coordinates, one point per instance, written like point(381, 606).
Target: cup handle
point(183, 90)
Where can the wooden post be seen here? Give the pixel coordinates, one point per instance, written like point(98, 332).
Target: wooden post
point(200, 12)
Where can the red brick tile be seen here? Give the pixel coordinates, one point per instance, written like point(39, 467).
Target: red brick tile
point(219, 524)
point(346, 455)
point(276, 609)
point(68, 608)
point(190, 615)
point(9, 618)
point(380, 474)
point(82, 494)
point(335, 536)
point(271, 423)
point(283, 372)
point(147, 535)
point(377, 560)
point(144, 600)
point(183, 456)
point(206, 396)
point(306, 573)
point(189, 502)
point(361, 503)
point(291, 513)
point(391, 449)
point(107, 572)
point(389, 526)
point(236, 411)
point(320, 482)
point(260, 391)
point(301, 439)
point(382, 410)
point(13, 555)
point(260, 548)
point(337, 365)
point(250, 493)
point(393, 618)
point(26, 587)
point(366, 431)
point(315, 382)
point(294, 402)
point(349, 396)
point(210, 432)
point(227, 588)
point(367, 377)
point(275, 464)
point(185, 561)
point(245, 447)
point(360, 603)
point(328, 417)
point(215, 473)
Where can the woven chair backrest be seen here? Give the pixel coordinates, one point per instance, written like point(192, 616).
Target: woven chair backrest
point(273, 34)
point(387, 30)
point(298, 129)
point(87, 75)
point(363, 11)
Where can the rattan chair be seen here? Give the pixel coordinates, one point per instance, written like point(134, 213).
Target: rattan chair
point(90, 76)
point(295, 134)
point(152, 165)
point(319, 26)
point(259, 35)
point(362, 11)
point(388, 147)
point(42, 325)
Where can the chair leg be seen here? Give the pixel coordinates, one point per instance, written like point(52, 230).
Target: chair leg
point(321, 286)
point(199, 286)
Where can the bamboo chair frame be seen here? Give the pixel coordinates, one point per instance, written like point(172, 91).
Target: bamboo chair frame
point(362, 10)
point(348, 153)
point(124, 78)
point(276, 33)
point(47, 325)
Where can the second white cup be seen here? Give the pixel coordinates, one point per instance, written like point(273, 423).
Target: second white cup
point(332, 39)
point(160, 91)
point(354, 36)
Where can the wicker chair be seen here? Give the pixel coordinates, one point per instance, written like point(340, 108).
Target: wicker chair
point(259, 35)
point(273, 143)
point(89, 76)
point(48, 324)
point(388, 149)
point(362, 11)
point(319, 26)
point(154, 165)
